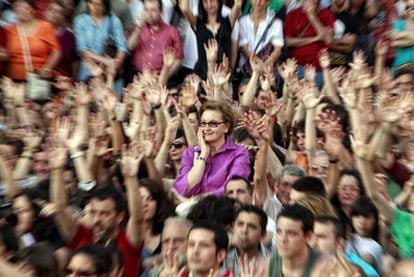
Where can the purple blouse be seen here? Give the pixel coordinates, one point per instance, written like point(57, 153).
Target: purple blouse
point(231, 159)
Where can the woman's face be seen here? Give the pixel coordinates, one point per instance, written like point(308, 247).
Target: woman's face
point(192, 117)
point(213, 126)
point(23, 209)
point(24, 11)
point(177, 148)
point(81, 265)
point(211, 6)
point(364, 225)
point(260, 4)
point(348, 190)
point(54, 14)
point(149, 204)
point(96, 7)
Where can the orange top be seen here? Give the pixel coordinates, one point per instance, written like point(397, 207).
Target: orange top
point(302, 161)
point(41, 43)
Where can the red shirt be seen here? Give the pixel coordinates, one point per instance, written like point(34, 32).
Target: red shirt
point(295, 22)
point(2, 45)
point(131, 254)
point(152, 44)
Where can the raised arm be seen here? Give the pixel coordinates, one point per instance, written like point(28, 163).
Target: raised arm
point(131, 158)
point(188, 14)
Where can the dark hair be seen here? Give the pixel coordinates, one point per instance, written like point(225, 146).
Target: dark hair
point(258, 211)
point(406, 68)
point(241, 178)
point(299, 213)
point(221, 239)
point(193, 109)
point(339, 226)
point(202, 13)
point(240, 134)
point(226, 110)
point(309, 184)
point(165, 208)
point(112, 249)
point(341, 113)
point(107, 192)
point(9, 239)
point(106, 4)
point(16, 143)
point(41, 257)
point(299, 128)
point(100, 257)
point(219, 209)
point(364, 207)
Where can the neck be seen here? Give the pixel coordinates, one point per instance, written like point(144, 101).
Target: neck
point(211, 18)
point(155, 26)
point(202, 273)
point(147, 226)
point(28, 23)
point(258, 14)
point(215, 146)
point(347, 210)
point(296, 262)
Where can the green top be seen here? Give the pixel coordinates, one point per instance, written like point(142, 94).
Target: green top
point(402, 230)
point(274, 5)
point(275, 266)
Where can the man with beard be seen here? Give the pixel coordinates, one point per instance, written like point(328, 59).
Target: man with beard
point(106, 212)
point(249, 229)
point(150, 39)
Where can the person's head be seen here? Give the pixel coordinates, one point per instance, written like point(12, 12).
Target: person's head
point(260, 5)
point(294, 226)
point(239, 189)
point(210, 8)
point(207, 247)
point(24, 209)
point(24, 9)
point(249, 227)
point(155, 204)
point(306, 185)
point(340, 5)
point(178, 146)
point(299, 135)
point(107, 211)
point(174, 235)
point(99, 8)
point(217, 121)
point(350, 187)
point(404, 75)
point(330, 234)
point(10, 149)
point(285, 179)
point(90, 260)
point(194, 117)
point(317, 204)
point(262, 98)
point(241, 136)
point(364, 216)
point(39, 260)
point(112, 249)
point(153, 10)
point(320, 164)
point(55, 13)
point(41, 164)
point(219, 209)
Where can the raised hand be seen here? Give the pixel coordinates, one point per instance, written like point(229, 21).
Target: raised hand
point(57, 153)
point(310, 98)
point(310, 73)
point(169, 57)
point(95, 69)
point(264, 129)
point(348, 93)
point(82, 96)
point(274, 106)
point(250, 123)
point(337, 74)
point(257, 64)
point(171, 265)
point(188, 96)
point(220, 76)
point(131, 158)
point(358, 62)
point(288, 68)
point(211, 48)
point(205, 148)
point(148, 144)
point(324, 59)
point(32, 138)
point(359, 142)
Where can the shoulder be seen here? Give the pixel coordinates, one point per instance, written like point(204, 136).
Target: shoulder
point(81, 18)
point(43, 25)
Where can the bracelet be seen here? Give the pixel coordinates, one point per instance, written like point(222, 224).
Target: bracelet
point(77, 155)
point(334, 161)
point(201, 159)
point(29, 149)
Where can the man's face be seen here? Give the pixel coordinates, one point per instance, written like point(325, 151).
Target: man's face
point(152, 11)
point(40, 164)
point(174, 238)
point(237, 190)
point(263, 99)
point(247, 231)
point(283, 188)
point(104, 217)
point(320, 167)
point(325, 239)
point(202, 252)
point(290, 238)
point(405, 82)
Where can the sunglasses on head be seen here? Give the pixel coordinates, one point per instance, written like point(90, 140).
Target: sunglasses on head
point(177, 144)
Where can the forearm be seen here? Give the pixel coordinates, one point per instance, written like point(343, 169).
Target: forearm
point(82, 171)
point(162, 155)
point(7, 178)
point(379, 140)
point(332, 179)
point(117, 137)
point(344, 44)
point(82, 119)
point(153, 172)
point(324, 32)
point(250, 91)
point(403, 42)
point(330, 87)
point(310, 133)
point(53, 60)
point(24, 165)
point(133, 39)
point(195, 175)
point(136, 217)
point(261, 188)
point(22, 116)
point(297, 42)
point(190, 134)
point(379, 66)
point(9, 269)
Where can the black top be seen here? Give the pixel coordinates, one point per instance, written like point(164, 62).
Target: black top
point(223, 38)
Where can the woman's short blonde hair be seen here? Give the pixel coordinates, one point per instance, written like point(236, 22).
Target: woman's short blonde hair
point(226, 110)
point(318, 205)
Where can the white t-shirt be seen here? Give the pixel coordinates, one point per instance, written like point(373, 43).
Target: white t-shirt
point(369, 246)
point(137, 10)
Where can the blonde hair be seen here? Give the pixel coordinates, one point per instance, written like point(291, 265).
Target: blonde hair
point(318, 205)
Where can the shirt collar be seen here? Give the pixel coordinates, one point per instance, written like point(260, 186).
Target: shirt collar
point(228, 145)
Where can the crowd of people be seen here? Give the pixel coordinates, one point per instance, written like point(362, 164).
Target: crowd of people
point(207, 138)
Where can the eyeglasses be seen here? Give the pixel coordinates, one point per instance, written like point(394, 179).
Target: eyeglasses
point(211, 124)
point(79, 272)
point(177, 144)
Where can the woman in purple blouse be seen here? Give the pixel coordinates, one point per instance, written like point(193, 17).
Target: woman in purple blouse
point(206, 168)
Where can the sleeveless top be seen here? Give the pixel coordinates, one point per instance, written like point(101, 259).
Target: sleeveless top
point(275, 266)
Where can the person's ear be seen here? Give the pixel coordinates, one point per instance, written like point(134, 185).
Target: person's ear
point(120, 217)
point(221, 255)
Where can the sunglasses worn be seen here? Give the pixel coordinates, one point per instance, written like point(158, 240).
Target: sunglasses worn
point(211, 124)
point(177, 144)
point(79, 272)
